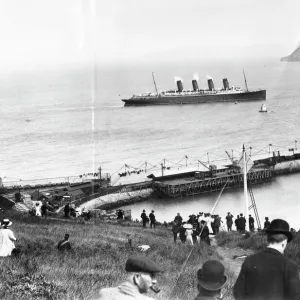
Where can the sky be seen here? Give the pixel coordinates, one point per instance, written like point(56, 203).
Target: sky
point(53, 32)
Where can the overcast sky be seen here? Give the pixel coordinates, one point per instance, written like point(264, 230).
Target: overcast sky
point(35, 32)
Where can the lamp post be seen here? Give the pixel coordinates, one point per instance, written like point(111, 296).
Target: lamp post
point(270, 145)
point(295, 145)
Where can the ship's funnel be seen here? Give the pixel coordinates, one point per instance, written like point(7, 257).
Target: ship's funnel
point(195, 85)
point(179, 86)
point(226, 84)
point(210, 84)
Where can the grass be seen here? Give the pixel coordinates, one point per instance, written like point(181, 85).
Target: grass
point(97, 260)
point(257, 242)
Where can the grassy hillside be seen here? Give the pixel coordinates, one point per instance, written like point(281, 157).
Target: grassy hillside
point(258, 241)
point(99, 254)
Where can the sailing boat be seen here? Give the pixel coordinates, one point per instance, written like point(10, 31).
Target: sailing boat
point(263, 108)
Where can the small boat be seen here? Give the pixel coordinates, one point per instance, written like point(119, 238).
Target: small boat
point(263, 108)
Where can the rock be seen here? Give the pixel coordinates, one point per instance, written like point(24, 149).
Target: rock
point(295, 56)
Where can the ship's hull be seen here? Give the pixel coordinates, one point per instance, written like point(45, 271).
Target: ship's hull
point(196, 99)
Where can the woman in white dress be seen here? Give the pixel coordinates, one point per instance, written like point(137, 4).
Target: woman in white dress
point(7, 238)
point(189, 238)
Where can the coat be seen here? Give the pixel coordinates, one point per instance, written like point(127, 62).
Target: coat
point(7, 244)
point(125, 291)
point(267, 275)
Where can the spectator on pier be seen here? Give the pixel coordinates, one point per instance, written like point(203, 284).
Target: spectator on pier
point(267, 223)
point(64, 244)
point(7, 239)
point(211, 280)
point(152, 219)
point(67, 210)
point(204, 232)
point(145, 219)
point(229, 221)
point(236, 223)
point(178, 219)
point(142, 274)
point(268, 274)
point(251, 223)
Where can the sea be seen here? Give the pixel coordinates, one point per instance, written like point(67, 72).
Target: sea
point(69, 121)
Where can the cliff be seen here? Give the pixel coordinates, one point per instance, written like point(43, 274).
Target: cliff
point(295, 56)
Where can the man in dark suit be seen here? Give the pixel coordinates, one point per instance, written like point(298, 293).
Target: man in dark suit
point(268, 275)
point(144, 218)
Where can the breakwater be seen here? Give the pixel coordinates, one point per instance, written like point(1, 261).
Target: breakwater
point(118, 199)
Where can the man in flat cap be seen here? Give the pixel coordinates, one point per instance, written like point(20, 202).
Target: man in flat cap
point(211, 280)
point(141, 277)
point(268, 275)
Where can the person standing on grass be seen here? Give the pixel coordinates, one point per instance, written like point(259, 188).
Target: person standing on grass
point(7, 239)
point(64, 244)
point(237, 224)
point(175, 230)
point(267, 223)
point(204, 232)
point(217, 224)
point(144, 218)
point(44, 209)
point(242, 222)
point(178, 219)
point(268, 275)
point(229, 221)
point(141, 277)
point(182, 235)
point(211, 279)
point(152, 219)
point(67, 210)
point(189, 235)
point(251, 223)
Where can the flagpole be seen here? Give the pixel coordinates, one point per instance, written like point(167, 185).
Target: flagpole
point(245, 189)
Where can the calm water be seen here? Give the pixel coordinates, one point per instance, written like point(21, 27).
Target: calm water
point(68, 122)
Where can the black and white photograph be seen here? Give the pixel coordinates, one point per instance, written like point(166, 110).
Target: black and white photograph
point(149, 149)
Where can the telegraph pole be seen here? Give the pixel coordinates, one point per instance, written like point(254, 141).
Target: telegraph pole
point(245, 189)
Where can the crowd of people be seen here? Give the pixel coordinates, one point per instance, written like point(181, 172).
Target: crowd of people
point(266, 275)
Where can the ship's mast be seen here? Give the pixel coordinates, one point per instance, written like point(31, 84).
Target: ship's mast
point(245, 80)
point(154, 84)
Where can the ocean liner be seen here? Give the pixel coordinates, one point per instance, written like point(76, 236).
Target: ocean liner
point(196, 95)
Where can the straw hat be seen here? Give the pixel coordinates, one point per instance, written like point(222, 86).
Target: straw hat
point(6, 222)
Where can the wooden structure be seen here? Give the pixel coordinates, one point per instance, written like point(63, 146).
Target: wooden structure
point(190, 183)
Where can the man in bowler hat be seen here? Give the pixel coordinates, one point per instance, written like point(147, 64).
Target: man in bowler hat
point(211, 280)
point(268, 275)
point(141, 277)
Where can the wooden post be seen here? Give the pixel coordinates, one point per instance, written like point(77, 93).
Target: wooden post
point(245, 189)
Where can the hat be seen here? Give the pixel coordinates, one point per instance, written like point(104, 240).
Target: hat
point(280, 226)
point(6, 222)
point(211, 277)
point(143, 210)
point(241, 214)
point(152, 210)
point(142, 264)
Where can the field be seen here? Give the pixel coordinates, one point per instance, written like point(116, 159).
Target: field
point(100, 250)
